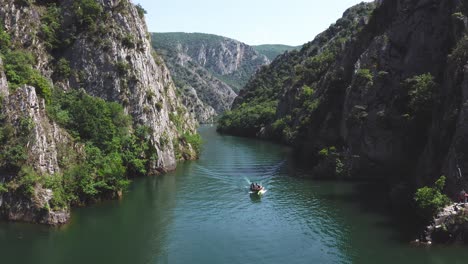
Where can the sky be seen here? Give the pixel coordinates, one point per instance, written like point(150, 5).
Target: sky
point(290, 22)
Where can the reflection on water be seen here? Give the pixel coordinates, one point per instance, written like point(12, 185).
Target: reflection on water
point(203, 213)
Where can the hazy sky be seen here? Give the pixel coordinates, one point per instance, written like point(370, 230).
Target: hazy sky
point(291, 22)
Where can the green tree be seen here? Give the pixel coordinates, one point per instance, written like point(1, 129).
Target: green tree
point(430, 200)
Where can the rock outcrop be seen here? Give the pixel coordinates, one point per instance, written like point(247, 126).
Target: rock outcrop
point(449, 226)
point(111, 58)
point(215, 67)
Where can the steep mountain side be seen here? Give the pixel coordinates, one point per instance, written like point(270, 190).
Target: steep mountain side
point(84, 106)
point(205, 95)
point(229, 60)
point(271, 51)
point(256, 105)
point(215, 67)
point(385, 101)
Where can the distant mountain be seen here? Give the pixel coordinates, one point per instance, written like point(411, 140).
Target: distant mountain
point(208, 69)
point(274, 50)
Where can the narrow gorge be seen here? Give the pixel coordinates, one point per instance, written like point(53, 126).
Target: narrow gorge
point(208, 69)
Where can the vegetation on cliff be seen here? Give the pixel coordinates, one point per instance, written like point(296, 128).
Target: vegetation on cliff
point(300, 69)
point(78, 143)
point(430, 200)
point(216, 54)
point(388, 96)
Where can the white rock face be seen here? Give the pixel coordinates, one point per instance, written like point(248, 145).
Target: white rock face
point(132, 76)
point(44, 137)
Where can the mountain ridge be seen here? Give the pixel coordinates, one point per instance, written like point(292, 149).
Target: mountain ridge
point(208, 69)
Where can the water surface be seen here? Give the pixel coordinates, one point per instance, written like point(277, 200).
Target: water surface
point(203, 213)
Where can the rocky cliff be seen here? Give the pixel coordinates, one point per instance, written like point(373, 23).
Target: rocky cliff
point(60, 59)
point(213, 66)
point(380, 94)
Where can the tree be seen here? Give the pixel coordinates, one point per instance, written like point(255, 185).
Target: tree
point(430, 200)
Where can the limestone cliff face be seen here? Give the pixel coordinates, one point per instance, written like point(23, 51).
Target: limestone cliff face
point(386, 99)
point(119, 66)
point(215, 67)
point(113, 62)
point(25, 111)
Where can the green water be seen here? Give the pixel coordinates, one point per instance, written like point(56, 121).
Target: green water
point(203, 213)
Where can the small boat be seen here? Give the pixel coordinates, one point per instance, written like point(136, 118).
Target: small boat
point(257, 189)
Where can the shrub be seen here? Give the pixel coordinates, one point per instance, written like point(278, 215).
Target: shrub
point(19, 71)
point(5, 41)
point(247, 119)
point(122, 67)
point(62, 69)
point(112, 151)
point(460, 53)
point(430, 200)
point(141, 11)
point(364, 77)
point(194, 140)
point(26, 180)
point(3, 188)
point(87, 12)
point(420, 90)
point(13, 140)
point(128, 41)
point(50, 25)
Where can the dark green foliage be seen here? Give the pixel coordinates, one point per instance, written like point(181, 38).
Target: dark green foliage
point(294, 77)
point(26, 180)
point(316, 66)
point(420, 90)
point(19, 71)
point(13, 139)
point(87, 12)
point(3, 188)
point(194, 140)
point(138, 150)
point(122, 67)
point(460, 54)
point(24, 2)
point(141, 11)
point(5, 41)
point(13, 153)
point(330, 157)
point(128, 41)
point(430, 200)
point(248, 118)
point(62, 69)
point(364, 77)
point(50, 26)
point(113, 152)
point(89, 118)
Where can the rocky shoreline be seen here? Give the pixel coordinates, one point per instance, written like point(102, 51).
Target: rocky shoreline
point(449, 226)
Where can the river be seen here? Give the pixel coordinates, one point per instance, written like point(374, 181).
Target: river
point(203, 213)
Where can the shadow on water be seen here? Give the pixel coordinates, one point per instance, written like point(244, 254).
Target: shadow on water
point(366, 197)
point(255, 198)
